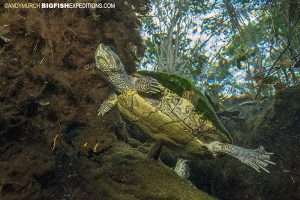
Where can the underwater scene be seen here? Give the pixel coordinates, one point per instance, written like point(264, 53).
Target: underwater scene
point(150, 100)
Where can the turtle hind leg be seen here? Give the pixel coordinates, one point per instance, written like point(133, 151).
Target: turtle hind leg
point(182, 168)
point(108, 104)
point(256, 158)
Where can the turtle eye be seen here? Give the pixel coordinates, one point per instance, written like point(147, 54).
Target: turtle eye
point(106, 50)
point(118, 61)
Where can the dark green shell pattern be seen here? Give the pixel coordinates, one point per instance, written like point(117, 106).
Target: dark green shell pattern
point(181, 85)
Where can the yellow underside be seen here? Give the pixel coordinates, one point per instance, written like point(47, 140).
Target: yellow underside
point(158, 125)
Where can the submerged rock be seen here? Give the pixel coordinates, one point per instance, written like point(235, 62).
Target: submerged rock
point(126, 173)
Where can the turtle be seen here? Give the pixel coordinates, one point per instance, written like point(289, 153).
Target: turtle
point(169, 118)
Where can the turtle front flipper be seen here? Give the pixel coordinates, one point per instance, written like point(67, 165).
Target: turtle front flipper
point(255, 158)
point(108, 104)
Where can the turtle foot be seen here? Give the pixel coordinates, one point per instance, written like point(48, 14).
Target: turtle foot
point(148, 85)
point(108, 104)
point(155, 87)
point(256, 158)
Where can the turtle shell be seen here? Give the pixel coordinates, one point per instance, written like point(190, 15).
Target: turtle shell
point(171, 124)
point(186, 89)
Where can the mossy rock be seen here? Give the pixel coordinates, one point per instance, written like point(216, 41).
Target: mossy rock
point(127, 174)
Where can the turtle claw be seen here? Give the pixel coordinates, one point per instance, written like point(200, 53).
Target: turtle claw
point(257, 159)
point(270, 162)
point(155, 87)
point(102, 110)
point(255, 167)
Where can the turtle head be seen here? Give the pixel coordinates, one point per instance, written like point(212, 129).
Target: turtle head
point(110, 64)
point(108, 61)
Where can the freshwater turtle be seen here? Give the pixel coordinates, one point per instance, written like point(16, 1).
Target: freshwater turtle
point(168, 117)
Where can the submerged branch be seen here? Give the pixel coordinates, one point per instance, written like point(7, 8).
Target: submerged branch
point(271, 68)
